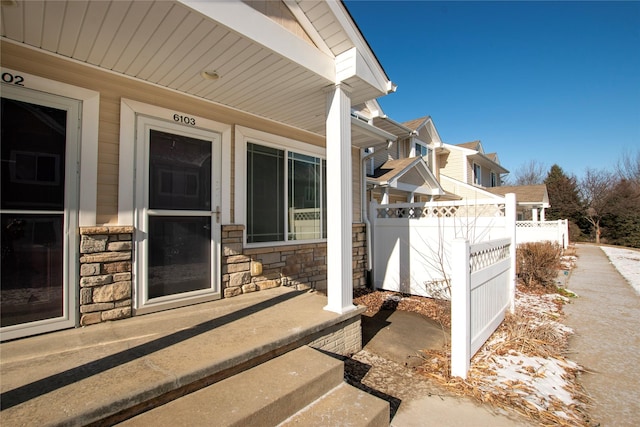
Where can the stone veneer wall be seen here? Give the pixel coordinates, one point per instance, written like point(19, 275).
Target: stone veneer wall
point(301, 266)
point(106, 255)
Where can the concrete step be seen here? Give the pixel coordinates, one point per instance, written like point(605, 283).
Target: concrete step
point(106, 373)
point(264, 395)
point(343, 406)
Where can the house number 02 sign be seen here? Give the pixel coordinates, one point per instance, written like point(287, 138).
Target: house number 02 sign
point(13, 79)
point(184, 119)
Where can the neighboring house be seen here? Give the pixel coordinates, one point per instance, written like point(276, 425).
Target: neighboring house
point(403, 170)
point(468, 172)
point(463, 171)
point(532, 200)
point(160, 154)
point(468, 164)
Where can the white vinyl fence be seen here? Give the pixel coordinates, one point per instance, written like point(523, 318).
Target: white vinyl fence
point(540, 231)
point(460, 250)
point(483, 290)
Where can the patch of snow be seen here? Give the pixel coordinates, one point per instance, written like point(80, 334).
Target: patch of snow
point(627, 262)
point(544, 383)
point(540, 379)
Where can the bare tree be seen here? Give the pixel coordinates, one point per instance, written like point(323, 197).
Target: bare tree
point(596, 187)
point(628, 167)
point(531, 173)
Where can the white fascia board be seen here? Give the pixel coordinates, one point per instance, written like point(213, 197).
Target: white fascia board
point(351, 64)
point(410, 188)
point(377, 135)
point(422, 168)
point(249, 23)
point(467, 151)
point(495, 167)
point(374, 106)
point(435, 136)
point(362, 46)
point(406, 130)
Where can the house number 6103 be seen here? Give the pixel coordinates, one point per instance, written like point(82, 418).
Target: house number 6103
point(14, 79)
point(184, 119)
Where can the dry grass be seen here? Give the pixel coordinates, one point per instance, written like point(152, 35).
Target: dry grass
point(533, 333)
point(533, 330)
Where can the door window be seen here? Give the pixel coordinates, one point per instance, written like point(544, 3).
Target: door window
point(38, 132)
point(179, 214)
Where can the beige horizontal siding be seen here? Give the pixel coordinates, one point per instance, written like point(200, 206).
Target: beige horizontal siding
point(356, 167)
point(453, 165)
point(112, 89)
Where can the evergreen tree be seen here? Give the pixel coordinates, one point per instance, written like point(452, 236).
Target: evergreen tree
point(563, 196)
point(621, 224)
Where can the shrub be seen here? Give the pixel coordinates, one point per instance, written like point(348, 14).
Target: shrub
point(538, 263)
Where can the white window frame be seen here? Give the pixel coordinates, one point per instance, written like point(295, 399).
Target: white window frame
point(477, 176)
point(129, 187)
point(127, 156)
point(244, 135)
point(494, 179)
point(90, 110)
point(421, 144)
point(142, 302)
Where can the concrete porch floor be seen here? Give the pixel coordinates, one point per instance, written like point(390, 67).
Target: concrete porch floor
point(84, 375)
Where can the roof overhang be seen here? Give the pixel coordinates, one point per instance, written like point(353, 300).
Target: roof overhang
point(483, 160)
point(391, 126)
point(263, 68)
point(365, 135)
point(393, 174)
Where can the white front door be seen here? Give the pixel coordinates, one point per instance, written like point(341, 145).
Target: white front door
point(40, 152)
point(178, 214)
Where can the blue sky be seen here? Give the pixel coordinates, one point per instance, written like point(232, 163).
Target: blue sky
point(555, 82)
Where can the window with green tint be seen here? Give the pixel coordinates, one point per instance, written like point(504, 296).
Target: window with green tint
point(285, 205)
point(305, 201)
point(265, 194)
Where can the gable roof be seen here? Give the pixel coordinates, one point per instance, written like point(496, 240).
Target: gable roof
point(475, 152)
point(473, 145)
point(416, 123)
point(408, 174)
point(525, 194)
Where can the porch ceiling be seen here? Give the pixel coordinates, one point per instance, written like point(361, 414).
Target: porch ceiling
point(276, 75)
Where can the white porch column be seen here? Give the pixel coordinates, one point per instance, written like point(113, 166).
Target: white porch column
point(339, 203)
point(542, 214)
point(385, 196)
point(534, 214)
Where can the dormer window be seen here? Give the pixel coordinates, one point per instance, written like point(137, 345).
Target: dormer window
point(494, 179)
point(421, 149)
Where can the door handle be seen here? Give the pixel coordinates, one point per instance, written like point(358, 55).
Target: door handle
point(217, 212)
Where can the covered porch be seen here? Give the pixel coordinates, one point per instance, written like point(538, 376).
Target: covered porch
point(112, 371)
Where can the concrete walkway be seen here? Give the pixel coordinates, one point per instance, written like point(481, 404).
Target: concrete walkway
point(393, 343)
point(606, 320)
